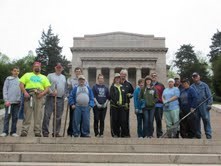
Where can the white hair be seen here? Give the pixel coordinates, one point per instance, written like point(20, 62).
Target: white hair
point(123, 71)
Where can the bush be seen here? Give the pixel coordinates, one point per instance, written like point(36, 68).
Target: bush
point(1, 103)
point(217, 98)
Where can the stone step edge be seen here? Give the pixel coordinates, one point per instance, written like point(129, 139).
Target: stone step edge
point(112, 158)
point(90, 164)
point(123, 141)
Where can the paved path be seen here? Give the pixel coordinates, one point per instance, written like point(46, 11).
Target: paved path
point(215, 120)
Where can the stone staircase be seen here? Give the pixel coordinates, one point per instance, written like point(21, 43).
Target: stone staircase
point(112, 151)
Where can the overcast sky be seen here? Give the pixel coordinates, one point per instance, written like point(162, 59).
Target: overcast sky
point(179, 21)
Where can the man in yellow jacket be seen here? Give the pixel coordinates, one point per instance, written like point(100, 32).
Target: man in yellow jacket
point(34, 86)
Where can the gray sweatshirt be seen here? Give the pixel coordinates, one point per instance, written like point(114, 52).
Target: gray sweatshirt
point(11, 90)
point(58, 82)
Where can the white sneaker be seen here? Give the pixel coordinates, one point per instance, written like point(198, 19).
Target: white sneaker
point(15, 135)
point(3, 135)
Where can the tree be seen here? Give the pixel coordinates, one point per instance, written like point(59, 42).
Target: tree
point(187, 62)
point(49, 53)
point(25, 63)
point(217, 76)
point(5, 66)
point(215, 51)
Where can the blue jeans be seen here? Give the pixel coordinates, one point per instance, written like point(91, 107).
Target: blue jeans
point(81, 122)
point(203, 113)
point(158, 117)
point(140, 124)
point(14, 114)
point(148, 122)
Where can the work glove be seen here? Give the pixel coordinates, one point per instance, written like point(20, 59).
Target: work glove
point(192, 110)
point(126, 106)
point(209, 107)
point(99, 105)
point(105, 104)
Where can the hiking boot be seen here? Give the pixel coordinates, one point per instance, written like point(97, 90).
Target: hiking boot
point(37, 135)
point(57, 135)
point(45, 134)
point(23, 134)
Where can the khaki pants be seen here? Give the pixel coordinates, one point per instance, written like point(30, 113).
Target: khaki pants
point(36, 109)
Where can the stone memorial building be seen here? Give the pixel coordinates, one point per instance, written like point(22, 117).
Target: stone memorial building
point(108, 53)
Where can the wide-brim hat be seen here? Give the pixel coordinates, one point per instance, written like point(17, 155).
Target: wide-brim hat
point(116, 75)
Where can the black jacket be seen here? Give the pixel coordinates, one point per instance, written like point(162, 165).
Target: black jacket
point(114, 95)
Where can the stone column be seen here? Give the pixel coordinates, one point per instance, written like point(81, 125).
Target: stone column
point(138, 74)
point(98, 72)
point(85, 73)
point(111, 76)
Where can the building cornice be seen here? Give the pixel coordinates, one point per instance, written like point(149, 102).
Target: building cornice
point(117, 49)
point(118, 59)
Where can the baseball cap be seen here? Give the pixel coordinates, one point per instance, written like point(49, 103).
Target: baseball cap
point(59, 66)
point(81, 77)
point(177, 76)
point(171, 80)
point(195, 74)
point(36, 63)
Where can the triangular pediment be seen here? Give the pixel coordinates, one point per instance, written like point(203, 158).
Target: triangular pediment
point(119, 39)
point(118, 35)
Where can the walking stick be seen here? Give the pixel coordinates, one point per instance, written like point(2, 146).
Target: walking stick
point(176, 124)
point(55, 111)
point(65, 122)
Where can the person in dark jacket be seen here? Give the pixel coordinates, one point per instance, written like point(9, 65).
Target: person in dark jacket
point(149, 95)
point(101, 96)
point(158, 114)
point(188, 99)
point(118, 108)
point(129, 90)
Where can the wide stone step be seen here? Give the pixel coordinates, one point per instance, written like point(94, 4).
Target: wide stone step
point(109, 141)
point(111, 157)
point(103, 148)
point(90, 164)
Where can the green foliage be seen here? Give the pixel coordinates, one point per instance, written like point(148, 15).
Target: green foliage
point(217, 75)
point(25, 64)
point(5, 66)
point(1, 103)
point(215, 47)
point(49, 53)
point(187, 62)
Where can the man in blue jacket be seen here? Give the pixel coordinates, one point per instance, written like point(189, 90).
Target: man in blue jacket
point(203, 92)
point(82, 100)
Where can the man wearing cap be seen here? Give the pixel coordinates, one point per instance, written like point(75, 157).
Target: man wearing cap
point(177, 82)
point(158, 114)
point(35, 86)
point(57, 90)
point(203, 92)
point(129, 90)
point(187, 101)
point(81, 99)
point(72, 82)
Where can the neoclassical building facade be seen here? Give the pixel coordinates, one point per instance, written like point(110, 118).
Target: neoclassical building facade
point(108, 53)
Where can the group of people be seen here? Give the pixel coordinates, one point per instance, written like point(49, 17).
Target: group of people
point(151, 101)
